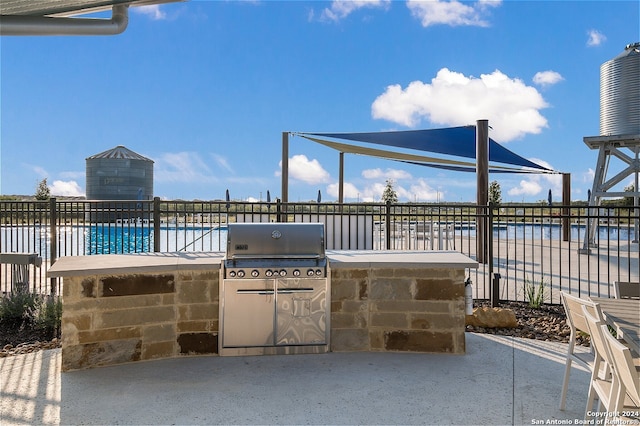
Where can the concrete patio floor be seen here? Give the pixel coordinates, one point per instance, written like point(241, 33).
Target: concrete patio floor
point(500, 380)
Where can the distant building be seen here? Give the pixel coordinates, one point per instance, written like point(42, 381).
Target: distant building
point(119, 174)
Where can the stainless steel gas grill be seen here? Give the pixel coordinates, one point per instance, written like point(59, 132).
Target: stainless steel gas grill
point(275, 290)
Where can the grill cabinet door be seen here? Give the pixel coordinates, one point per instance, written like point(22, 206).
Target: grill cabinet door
point(301, 311)
point(248, 313)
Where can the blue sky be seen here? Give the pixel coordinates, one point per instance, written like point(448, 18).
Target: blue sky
point(206, 88)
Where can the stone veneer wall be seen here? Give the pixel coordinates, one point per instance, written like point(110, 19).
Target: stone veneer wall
point(114, 319)
point(398, 309)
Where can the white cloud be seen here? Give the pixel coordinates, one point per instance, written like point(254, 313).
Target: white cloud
point(420, 191)
point(222, 162)
point(373, 192)
point(588, 175)
point(378, 173)
point(526, 188)
point(453, 13)
point(38, 170)
point(453, 99)
point(547, 78)
point(308, 171)
point(369, 194)
point(185, 167)
point(153, 11)
point(340, 9)
point(539, 184)
point(67, 189)
point(596, 38)
point(72, 175)
point(350, 190)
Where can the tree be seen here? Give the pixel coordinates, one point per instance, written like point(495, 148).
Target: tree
point(628, 201)
point(495, 194)
point(43, 193)
point(389, 195)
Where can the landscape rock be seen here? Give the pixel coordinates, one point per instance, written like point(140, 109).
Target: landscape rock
point(487, 317)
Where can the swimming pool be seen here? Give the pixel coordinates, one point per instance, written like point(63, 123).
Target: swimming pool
point(111, 239)
point(124, 239)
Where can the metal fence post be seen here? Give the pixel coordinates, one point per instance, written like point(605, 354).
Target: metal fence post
point(566, 203)
point(156, 224)
point(388, 227)
point(278, 210)
point(495, 290)
point(489, 258)
point(53, 248)
point(482, 223)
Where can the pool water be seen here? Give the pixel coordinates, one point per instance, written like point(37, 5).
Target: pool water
point(112, 239)
point(124, 239)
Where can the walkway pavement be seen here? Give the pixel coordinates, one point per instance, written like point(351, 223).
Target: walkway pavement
point(500, 380)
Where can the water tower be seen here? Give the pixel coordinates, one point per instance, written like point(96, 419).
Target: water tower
point(119, 174)
point(619, 132)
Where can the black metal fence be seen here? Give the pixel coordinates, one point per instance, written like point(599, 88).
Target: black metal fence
point(521, 249)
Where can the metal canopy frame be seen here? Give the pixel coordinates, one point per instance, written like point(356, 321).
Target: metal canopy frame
point(54, 17)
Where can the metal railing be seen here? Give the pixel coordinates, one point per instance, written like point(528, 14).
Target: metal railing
point(518, 247)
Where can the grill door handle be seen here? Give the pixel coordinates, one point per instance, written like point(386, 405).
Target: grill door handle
point(295, 290)
point(264, 292)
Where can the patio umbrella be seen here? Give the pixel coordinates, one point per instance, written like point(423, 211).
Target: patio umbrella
point(268, 199)
point(550, 198)
point(227, 198)
point(319, 196)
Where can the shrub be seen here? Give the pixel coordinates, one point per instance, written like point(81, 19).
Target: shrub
point(50, 315)
point(18, 309)
point(24, 310)
point(534, 293)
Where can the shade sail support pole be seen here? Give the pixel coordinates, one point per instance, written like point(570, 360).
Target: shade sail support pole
point(482, 190)
point(341, 180)
point(285, 167)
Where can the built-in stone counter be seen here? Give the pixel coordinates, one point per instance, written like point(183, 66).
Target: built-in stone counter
point(131, 307)
point(398, 301)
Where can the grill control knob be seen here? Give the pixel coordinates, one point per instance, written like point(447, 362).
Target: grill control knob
point(232, 274)
point(310, 272)
point(318, 272)
point(296, 272)
point(268, 272)
point(255, 273)
point(283, 272)
point(240, 273)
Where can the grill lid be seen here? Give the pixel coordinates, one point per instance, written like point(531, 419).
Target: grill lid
point(275, 240)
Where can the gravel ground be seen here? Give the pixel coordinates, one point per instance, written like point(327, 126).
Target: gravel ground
point(547, 322)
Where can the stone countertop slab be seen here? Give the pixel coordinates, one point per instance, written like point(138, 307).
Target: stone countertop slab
point(399, 259)
point(159, 262)
point(134, 263)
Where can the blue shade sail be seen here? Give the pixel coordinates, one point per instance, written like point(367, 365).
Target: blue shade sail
point(456, 141)
point(420, 160)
